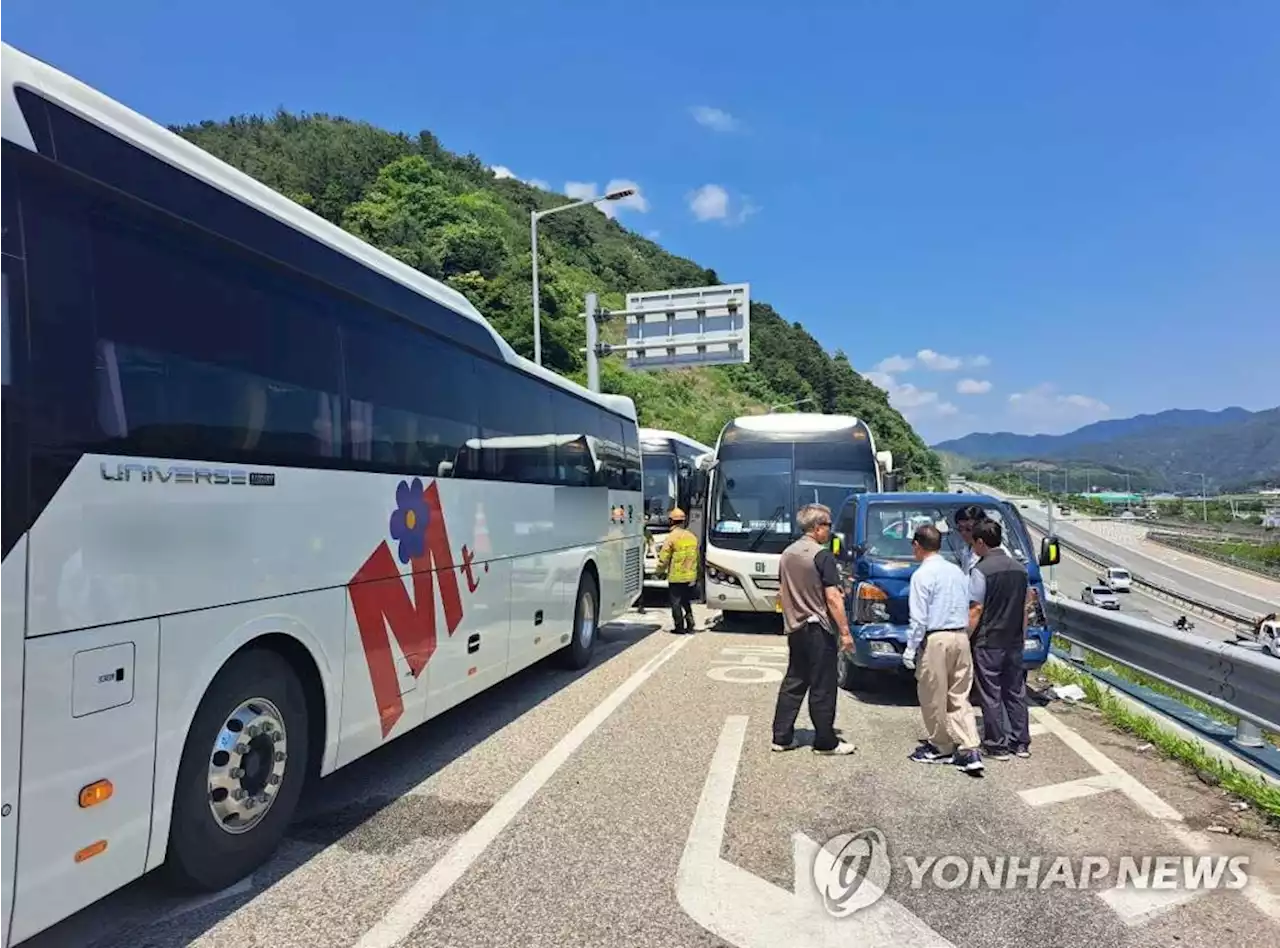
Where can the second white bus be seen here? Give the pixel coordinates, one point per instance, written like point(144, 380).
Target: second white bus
point(765, 468)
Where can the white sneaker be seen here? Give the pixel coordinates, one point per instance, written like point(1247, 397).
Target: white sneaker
point(779, 748)
point(842, 749)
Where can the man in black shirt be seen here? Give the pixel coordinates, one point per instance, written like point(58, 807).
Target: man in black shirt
point(997, 625)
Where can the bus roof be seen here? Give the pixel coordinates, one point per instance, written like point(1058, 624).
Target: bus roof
point(800, 422)
point(23, 71)
point(661, 434)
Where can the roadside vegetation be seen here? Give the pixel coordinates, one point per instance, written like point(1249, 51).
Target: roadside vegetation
point(452, 218)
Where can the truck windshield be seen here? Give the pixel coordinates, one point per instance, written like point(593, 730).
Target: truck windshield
point(890, 527)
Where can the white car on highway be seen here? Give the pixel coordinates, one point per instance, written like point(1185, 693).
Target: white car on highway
point(1117, 577)
point(1102, 596)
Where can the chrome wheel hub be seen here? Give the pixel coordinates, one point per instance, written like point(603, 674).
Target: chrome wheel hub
point(586, 619)
point(246, 766)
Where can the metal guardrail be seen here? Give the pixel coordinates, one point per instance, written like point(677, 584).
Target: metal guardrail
point(1188, 544)
point(1236, 621)
point(1242, 683)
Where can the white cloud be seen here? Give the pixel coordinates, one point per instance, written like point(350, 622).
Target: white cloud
point(914, 402)
point(938, 362)
point(979, 362)
point(718, 120)
point(539, 183)
point(895, 363)
point(502, 171)
point(712, 202)
point(709, 203)
point(973, 386)
point(1049, 409)
point(589, 190)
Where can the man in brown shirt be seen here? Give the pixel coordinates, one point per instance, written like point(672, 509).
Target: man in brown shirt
point(812, 614)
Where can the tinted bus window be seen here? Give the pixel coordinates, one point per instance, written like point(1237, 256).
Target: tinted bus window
point(412, 405)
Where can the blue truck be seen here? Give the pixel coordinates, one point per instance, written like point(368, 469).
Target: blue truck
point(872, 544)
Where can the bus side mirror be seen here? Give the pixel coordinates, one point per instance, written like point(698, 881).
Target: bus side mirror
point(891, 482)
point(1050, 554)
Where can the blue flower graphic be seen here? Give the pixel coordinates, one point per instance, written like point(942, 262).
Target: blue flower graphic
point(409, 520)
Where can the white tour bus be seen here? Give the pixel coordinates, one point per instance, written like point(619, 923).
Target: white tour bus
point(233, 555)
point(765, 468)
point(670, 459)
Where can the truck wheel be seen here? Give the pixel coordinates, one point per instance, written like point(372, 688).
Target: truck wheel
point(242, 769)
point(586, 625)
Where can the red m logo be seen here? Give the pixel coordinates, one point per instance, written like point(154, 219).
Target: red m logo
point(379, 599)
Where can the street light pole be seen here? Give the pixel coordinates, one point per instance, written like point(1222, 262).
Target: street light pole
point(534, 217)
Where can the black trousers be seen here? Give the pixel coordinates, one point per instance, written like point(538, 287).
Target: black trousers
point(681, 605)
point(1002, 692)
point(811, 669)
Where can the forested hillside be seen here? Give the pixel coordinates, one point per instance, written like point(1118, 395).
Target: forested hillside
point(448, 216)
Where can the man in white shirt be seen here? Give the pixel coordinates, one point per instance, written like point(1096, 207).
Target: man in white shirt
point(938, 650)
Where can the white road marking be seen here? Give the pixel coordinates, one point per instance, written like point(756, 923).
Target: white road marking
point(412, 907)
point(749, 664)
point(1137, 906)
point(1069, 790)
point(746, 911)
point(1100, 762)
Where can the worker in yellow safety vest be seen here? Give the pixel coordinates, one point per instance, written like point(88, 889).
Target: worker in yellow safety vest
point(678, 562)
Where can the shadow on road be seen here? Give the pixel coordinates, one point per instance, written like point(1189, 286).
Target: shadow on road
point(364, 808)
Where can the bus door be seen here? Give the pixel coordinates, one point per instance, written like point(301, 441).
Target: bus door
point(13, 550)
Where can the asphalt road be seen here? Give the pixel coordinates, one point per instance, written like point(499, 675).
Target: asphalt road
point(638, 804)
point(1198, 579)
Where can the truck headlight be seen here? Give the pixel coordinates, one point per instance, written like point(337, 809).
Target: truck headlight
point(882, 648)
point(1031, 645)
point(871, 604)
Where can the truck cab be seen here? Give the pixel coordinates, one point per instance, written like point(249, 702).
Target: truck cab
point(872, 544)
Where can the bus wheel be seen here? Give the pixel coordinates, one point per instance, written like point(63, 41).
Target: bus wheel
point(586, 624)
point(242, 769)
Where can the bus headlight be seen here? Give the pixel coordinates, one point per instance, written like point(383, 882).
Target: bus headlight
point(871, 604)
point(718, 575)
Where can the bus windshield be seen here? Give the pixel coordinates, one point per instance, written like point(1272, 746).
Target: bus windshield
point(752, 495)
point(659, 485)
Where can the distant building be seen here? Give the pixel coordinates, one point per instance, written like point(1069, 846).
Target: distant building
point(1115, 499)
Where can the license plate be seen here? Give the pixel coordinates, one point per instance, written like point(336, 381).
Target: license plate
point(777, 605)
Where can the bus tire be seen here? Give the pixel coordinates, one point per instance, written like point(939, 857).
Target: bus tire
point(586, 624)
point(221, 829)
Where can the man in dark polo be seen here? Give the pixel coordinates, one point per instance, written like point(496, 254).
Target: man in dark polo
point(997, 626)
point(812, 614)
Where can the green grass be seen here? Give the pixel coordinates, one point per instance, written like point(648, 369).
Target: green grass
point(1263, 795)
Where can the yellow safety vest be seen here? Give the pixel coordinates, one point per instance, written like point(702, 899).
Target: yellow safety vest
point(678, 558)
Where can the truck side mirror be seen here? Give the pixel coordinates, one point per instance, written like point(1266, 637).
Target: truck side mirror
point(1050, 554)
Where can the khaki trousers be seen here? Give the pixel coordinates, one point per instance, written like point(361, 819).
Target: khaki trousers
point(944, 676)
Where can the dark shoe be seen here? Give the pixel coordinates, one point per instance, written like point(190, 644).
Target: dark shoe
point(1023, 751)
point(997, 753)
point(926, 753)
point(970, 761)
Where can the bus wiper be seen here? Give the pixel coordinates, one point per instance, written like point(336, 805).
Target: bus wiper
point(782, 508)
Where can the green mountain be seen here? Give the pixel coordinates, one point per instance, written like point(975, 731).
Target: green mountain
point(1234, 449)
point(450, 217)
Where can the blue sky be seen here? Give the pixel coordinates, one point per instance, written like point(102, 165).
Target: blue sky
point(1013, 215)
